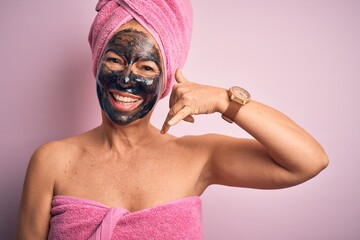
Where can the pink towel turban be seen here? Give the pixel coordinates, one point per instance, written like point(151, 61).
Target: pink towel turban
point(168, 21)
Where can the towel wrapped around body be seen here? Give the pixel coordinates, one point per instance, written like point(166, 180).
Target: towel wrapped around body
point(80, 219)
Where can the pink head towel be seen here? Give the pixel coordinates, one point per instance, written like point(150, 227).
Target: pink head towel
point(168, 21)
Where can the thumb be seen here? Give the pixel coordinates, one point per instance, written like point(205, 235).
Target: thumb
point(179, 76)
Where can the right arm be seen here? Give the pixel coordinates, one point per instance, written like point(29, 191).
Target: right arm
point(34, 215)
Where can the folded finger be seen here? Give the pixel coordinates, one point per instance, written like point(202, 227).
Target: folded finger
point(189, 119)
point(180, 115)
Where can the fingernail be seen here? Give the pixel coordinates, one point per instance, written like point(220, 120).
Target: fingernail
point(170, 122)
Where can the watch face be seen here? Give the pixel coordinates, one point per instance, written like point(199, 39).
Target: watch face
point(240, 92)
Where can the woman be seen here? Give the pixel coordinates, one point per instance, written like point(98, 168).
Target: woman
point(126, 179)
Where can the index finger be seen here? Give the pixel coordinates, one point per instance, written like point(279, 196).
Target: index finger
point(183, 113)
point(166, 126)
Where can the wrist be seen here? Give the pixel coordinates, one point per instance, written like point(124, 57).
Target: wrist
point(238, 97)
point(223, 101)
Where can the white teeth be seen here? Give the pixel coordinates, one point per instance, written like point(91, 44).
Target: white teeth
point(125, 99)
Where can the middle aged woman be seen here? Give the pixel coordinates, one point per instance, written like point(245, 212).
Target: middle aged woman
point(127, 179)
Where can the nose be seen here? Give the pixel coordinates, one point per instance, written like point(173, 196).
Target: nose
point(124, 79)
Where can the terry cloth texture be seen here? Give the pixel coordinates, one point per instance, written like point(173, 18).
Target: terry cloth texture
point(80, 219)
point(168, 21)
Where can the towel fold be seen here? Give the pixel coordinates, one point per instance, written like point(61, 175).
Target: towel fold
point(168, 21)
point(76, 218)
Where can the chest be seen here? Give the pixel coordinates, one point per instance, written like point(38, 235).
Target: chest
point(134, 181)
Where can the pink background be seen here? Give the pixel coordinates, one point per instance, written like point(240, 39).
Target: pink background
point(301, 57)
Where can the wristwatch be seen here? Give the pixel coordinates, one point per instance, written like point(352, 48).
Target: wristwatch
point(238, 98)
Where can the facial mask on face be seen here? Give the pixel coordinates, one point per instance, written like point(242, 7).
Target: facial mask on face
point(128, 79)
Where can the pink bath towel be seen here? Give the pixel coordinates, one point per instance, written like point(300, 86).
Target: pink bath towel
point(77, 218)
point(168, 21)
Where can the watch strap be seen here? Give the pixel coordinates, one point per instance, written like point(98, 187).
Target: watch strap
point(231, 111)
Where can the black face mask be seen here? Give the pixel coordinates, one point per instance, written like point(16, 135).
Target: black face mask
point(129, 74)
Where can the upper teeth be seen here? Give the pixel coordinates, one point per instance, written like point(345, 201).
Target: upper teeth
point(125, 99)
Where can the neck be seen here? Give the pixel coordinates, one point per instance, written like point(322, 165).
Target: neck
point(127, 136)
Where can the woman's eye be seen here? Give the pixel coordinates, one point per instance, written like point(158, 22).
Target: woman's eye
point(114, 60)
point(147, 68)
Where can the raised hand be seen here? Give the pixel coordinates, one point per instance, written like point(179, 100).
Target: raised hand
point(189, 98)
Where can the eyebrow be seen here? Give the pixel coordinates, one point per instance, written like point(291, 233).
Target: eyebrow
point(149, 58)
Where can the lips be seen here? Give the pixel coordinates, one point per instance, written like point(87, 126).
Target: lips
point(124, 101)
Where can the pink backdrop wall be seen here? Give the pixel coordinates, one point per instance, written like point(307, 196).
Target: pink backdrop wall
point(301, 57)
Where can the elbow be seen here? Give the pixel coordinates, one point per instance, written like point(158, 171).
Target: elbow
point(325, 162)
point(318, 163)
point(315, 164)
point(322, 161)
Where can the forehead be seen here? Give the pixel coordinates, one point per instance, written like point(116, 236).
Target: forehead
point(138, 28)
point(134, 41)
point(132, 38)
point(134, 45)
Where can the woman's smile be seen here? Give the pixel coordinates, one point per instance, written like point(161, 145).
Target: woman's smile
point(124, 101)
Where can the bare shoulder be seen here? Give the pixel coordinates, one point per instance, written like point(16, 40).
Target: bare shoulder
point(54, 152)
point(45, 165)
point(50, 152)
point(44, 159)
point(53, 156)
